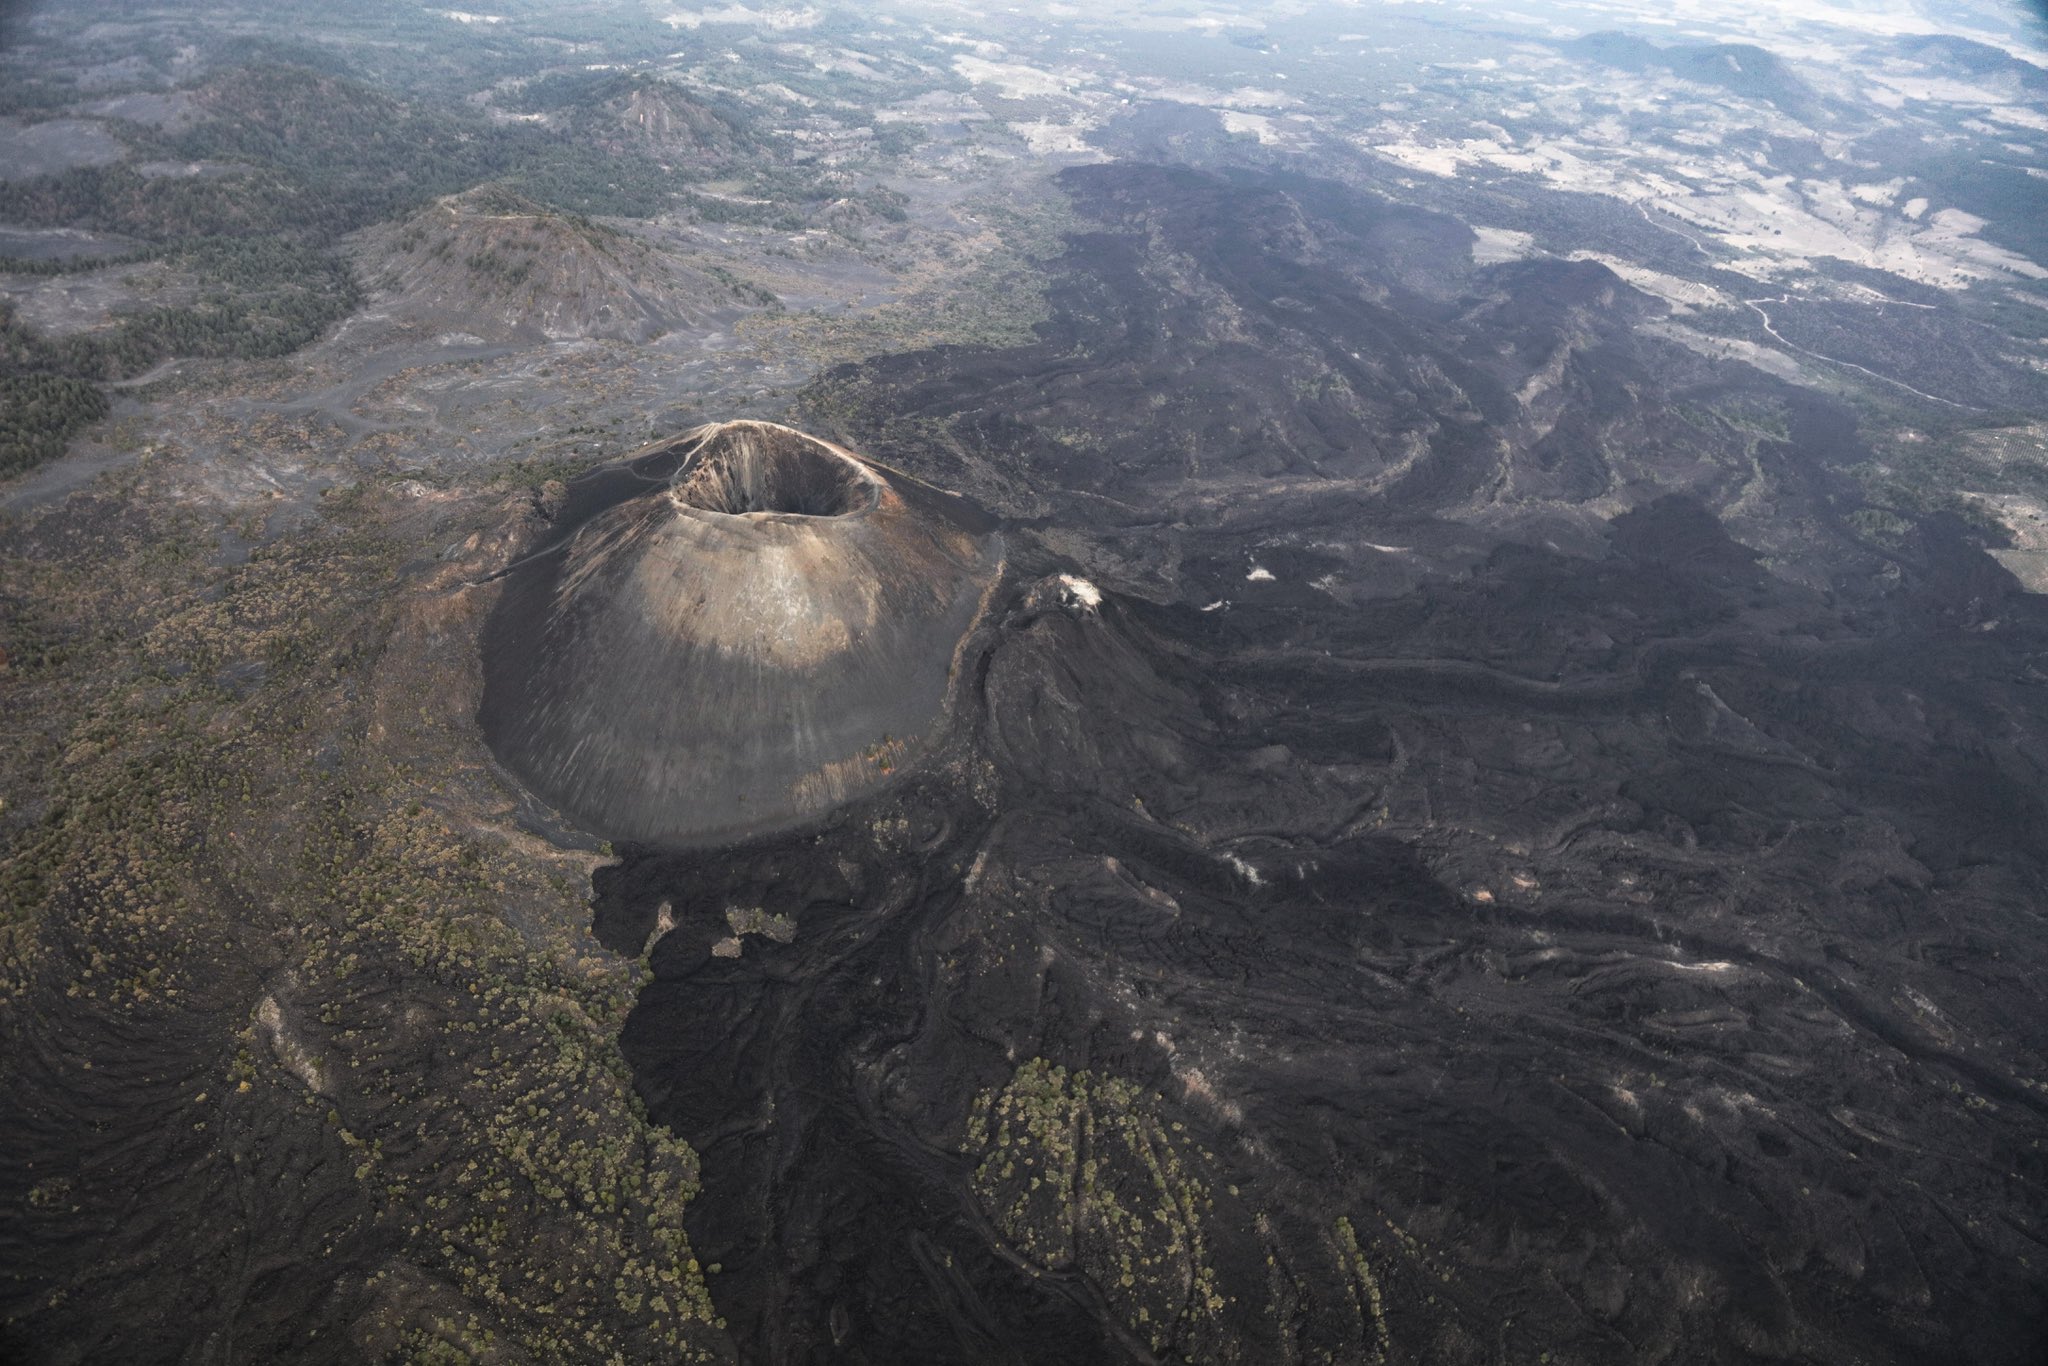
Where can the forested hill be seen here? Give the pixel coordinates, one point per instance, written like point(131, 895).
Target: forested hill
point(284, 161)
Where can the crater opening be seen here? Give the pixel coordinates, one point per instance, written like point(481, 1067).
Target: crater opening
point(748, 467)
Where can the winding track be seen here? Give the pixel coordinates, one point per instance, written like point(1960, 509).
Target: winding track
point(1756, 306)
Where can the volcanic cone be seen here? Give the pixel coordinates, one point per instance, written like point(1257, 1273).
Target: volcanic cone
point(732, 632)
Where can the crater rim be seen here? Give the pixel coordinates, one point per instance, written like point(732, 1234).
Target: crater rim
point(750, 470)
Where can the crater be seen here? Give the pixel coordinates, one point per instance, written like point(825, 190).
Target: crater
point(748, 469)
point(731, 632)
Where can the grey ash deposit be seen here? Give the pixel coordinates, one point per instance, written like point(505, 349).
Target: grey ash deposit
point(733, 631)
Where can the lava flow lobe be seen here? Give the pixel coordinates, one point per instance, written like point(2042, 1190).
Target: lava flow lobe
point(731, 632)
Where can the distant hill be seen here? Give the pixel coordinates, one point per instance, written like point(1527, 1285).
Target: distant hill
point(1741, 68)
point(490, 263)
point(1966, 57)
point(624, 113)
point(343, 154)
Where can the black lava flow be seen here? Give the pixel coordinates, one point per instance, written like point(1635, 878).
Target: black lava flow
point(1634, 940)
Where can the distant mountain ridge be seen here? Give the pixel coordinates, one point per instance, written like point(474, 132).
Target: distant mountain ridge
point(1741, 68)
point(1966, 56)
point(622, 112)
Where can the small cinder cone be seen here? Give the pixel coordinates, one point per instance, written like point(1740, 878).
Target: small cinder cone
point(735, 631)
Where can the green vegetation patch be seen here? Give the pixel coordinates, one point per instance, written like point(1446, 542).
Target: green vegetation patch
point(571, 178)
point(1079, 1172)
point(1362, 1288)
point(352, 154)
point(198, 822)
point(990, 291)
point(39, 414)
point(260, 298)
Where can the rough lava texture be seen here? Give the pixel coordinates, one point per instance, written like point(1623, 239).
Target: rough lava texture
point(734, 631)
point(1450, 846)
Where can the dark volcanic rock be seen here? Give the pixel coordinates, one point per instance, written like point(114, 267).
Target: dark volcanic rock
point(741, 629)
point(1598, 938)
point(1447, 839)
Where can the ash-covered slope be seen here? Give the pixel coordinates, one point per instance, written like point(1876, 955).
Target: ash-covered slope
point(496, 266)
point(736, 630)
